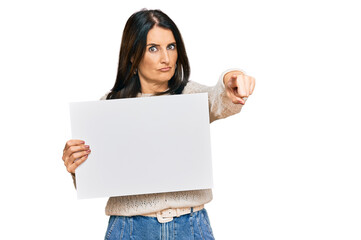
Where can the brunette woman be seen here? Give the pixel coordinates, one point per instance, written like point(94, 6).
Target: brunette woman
point(153, 62)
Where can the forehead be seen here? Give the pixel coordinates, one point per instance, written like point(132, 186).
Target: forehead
point(160, 35)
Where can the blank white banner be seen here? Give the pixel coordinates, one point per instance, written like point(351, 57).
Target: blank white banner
point(143, 145)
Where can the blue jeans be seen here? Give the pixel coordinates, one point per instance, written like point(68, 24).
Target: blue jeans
point(194, 225)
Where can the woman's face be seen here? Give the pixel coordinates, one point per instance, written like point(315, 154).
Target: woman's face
point(159, 61)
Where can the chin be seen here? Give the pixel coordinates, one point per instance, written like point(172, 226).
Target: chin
point(165, 77)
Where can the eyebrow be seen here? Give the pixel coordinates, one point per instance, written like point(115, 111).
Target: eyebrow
point(154, 44)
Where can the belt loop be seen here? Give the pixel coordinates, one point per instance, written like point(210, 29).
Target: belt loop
point(178, 212)
point(191, 211)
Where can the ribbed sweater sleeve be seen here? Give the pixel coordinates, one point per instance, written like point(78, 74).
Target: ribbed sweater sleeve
point(220, 106)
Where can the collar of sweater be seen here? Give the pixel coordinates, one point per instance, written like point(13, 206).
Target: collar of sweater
point(147, 94)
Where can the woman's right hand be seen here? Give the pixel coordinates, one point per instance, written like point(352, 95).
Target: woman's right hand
point(75, 153)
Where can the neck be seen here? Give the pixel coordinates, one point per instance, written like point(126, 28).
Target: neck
point(152, 88)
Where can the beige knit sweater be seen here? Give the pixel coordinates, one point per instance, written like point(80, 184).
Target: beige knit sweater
point(220, 106)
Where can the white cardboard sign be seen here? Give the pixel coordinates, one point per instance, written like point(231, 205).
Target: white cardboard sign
point(143, 145)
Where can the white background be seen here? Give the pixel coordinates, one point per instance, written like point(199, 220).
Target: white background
point(286, 167)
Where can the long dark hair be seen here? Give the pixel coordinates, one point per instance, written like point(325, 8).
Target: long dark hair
point(132, 49)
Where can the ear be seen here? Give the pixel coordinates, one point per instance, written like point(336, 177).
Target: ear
point(132, 59)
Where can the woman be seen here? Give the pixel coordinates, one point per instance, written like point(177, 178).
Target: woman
point(152, 62)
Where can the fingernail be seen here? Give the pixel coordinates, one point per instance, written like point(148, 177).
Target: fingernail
point(86, 146)
point(88, 150)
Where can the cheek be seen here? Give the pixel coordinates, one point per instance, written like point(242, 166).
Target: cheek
point(148, 62)
point(175, 57)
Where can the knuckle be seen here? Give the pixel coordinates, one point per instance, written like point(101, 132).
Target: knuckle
point(78, 155)
point(74, 156)
point(71, 158)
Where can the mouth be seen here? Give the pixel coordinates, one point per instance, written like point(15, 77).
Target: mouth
point(166, 69)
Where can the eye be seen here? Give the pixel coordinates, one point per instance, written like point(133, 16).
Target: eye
point(153, 49)
point(171, 46)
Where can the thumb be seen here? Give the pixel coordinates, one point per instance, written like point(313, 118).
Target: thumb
point(234, 76)
point(232, 81)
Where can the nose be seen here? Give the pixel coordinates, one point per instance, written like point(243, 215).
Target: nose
point(165, 57)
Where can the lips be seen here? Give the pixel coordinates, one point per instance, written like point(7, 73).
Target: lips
point(166, 69)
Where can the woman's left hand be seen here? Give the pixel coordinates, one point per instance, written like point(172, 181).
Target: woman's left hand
point(238, 86)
